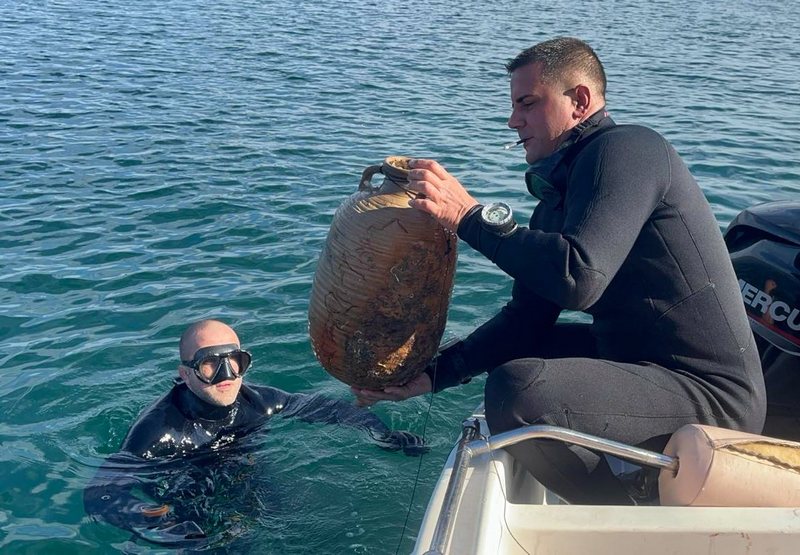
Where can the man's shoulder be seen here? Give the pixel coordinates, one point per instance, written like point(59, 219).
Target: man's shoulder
point(152, 423)
point(157, 408)
point(629, 142)
point(270, 399)
point(629, 132)
point(257, 390)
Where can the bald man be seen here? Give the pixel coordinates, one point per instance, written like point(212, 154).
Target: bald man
point(208, 408)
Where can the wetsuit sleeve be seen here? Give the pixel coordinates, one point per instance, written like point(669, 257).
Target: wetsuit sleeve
point(509, 335)
point(110, 495)
point(117, 494)
point(613, 187)
point(317, 408)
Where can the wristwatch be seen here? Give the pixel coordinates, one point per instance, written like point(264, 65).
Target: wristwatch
point(498, 219)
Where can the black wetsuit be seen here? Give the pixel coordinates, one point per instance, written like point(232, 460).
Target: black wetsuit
point(180, 424)
point(626, 236)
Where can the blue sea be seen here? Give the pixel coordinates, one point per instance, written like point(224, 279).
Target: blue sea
point(163, 162)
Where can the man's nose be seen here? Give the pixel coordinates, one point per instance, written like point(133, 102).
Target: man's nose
point(514, 121)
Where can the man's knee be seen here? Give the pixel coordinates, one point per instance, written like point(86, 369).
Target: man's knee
point(517, 394)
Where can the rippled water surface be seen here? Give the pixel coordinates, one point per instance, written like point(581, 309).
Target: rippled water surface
point(163, 162)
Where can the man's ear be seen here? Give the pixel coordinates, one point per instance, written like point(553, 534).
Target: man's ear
point(582, 99)
point(182, 372)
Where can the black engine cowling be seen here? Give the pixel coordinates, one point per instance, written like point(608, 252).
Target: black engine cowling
point(764, 244)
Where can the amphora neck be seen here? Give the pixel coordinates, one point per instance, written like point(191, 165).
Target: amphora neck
point(395, 171)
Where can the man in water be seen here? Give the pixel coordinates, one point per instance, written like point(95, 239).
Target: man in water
point(208, 409)
point(623, 233)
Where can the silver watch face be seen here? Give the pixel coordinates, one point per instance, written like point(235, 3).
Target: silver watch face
point(496, 214)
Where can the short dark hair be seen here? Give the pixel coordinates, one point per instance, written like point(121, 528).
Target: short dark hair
point(561, 55)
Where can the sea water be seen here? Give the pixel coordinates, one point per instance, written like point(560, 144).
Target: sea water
point(163, 162)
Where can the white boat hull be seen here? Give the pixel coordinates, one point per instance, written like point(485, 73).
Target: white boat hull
point(503, 510)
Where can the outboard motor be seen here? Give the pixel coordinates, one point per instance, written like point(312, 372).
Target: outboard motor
point(764, 245)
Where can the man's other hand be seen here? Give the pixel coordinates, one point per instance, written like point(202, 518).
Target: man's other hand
point(417, 386)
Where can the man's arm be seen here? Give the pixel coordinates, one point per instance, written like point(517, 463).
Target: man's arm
point(615, 184)
point(317, 408)
point(110, 496)
point(511, 334)
point(115, 494)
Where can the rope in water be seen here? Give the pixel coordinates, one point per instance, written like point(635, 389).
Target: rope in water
point(419, 469)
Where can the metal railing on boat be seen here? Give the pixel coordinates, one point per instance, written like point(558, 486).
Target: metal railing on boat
point(473, 444)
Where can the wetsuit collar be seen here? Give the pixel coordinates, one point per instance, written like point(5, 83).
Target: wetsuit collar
point(546, 178)
point(194, 408)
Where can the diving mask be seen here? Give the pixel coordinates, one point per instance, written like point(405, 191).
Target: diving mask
point(218, 363)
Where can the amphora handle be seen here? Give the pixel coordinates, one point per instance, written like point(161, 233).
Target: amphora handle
point(366, 178)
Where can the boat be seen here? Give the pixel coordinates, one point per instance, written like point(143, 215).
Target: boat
point(485, 502)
